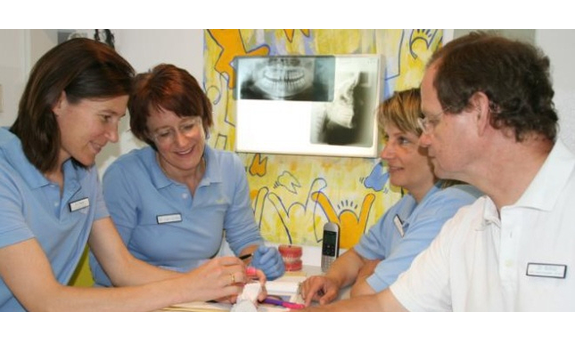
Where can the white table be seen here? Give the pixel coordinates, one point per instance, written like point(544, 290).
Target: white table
point(287, 284)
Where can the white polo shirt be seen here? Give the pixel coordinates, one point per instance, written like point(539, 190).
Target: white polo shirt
point(523, 261)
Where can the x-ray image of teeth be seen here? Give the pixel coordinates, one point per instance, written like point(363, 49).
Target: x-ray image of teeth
point(286, 78)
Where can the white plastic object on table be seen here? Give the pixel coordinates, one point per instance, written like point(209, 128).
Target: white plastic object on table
point(248, 300)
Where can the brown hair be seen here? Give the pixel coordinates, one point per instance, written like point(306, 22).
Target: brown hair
point(513, 75)
point(83, 69)
point(170, 88)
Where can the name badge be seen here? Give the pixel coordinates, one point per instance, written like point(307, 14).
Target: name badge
point(557, 271)
point(398, 225)
point(79, 204)
point(169, 218)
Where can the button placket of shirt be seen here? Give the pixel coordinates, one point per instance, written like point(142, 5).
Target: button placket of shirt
point(52, 192)
point(200, 194)
point(511, 221)
point(71, 194)
point(182, 194)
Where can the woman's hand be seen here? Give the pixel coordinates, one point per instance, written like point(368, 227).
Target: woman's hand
point(219, 278)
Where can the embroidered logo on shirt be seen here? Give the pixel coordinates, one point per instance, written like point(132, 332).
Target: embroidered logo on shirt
point(169, 218)
point(79, 204)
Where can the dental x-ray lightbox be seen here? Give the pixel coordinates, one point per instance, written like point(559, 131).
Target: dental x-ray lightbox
point(309, 105)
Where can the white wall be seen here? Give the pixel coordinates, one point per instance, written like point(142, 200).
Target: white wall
point(559, 45)
point(13, 71)
point(40, 41)
point(20, 50)
point(147, 48)
point(526, 35)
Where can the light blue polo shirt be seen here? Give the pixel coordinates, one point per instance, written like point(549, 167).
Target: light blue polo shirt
point(31, 207)
point(162, 224)
point(420, 224)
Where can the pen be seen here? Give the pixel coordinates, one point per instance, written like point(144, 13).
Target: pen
point(290, 305)
point(246, 256)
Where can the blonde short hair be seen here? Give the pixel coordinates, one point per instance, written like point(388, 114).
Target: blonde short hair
point(402, 110)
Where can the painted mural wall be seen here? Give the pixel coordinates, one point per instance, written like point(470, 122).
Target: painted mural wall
point(293, 196)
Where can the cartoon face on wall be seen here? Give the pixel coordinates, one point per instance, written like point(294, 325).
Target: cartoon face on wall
point(293, 196)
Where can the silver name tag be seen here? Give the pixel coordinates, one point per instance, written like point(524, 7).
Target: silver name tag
point(398, 225)
point(77, 205)
point(169, 218)
point(557, 271)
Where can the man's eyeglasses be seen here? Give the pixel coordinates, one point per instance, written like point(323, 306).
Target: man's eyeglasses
point(429, 122)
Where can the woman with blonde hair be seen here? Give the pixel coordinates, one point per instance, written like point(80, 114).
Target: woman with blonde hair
point(409, 226)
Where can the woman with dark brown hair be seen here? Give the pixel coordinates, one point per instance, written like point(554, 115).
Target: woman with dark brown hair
point(51, 203)
point(174, 201)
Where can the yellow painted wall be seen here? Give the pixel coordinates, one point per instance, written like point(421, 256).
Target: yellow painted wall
point(293, 196)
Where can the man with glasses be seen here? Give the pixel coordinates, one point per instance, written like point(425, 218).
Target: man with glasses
point(490, 121)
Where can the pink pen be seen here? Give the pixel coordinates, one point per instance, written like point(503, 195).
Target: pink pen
point(293, 305)
point(290, 305)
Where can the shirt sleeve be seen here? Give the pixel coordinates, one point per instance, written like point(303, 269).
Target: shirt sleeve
point(13, 226)
point(372, 246)
point(239, 224)
point(101, 209)
point(121, 202)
